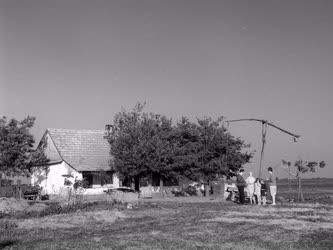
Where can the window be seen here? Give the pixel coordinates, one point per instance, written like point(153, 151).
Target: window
point(98, 178)
point(88, 177)
point(106, 178)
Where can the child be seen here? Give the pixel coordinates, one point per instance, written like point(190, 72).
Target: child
point(263, 192)
point(257, 191)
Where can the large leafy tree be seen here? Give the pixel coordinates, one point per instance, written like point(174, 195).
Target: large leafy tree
point(206, 150)
point(17, 153)
point(139, 143)
point(144, 143)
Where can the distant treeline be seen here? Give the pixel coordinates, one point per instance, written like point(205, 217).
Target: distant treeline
point(307, 183)
point(308, 179)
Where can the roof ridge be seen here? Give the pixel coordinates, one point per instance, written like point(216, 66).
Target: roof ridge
point(55, 145)
point(75, 130)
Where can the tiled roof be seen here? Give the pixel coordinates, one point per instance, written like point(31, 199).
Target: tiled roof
point(84, 150)
point(50, 151)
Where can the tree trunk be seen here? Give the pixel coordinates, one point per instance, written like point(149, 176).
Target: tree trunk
point(137, 183)
point(20, 195)
point(300, 191)
point(180, 184)
point(289, 187)
point(132, 183)
point(207, 189)
point(161, 187)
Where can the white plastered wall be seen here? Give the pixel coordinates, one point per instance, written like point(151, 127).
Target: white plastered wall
point(53, 183)
point(55, 180)
point(115, 180)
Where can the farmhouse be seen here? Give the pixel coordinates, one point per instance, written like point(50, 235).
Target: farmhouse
point(75, 154)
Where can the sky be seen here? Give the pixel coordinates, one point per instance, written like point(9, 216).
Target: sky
point(74, 64)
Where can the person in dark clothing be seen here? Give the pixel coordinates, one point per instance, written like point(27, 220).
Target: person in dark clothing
point(241, 184)
point(263, 192)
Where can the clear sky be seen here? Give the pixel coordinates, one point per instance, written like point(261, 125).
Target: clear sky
point(74, 64)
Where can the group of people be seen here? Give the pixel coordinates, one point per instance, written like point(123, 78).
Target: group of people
point(257, 188)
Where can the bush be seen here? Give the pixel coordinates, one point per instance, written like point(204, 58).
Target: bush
point(81, 183)
point(6, 225)
point(188, 191)
point(191, 190)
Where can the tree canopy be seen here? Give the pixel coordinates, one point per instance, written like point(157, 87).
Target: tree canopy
point(301, 167)
point(17, 153)
point(144, 143)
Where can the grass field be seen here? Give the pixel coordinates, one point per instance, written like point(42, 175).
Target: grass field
point(177, 223)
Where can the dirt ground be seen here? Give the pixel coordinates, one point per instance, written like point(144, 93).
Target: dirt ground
point(178, 223)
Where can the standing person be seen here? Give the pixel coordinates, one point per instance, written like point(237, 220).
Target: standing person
point(272, 184)
point(250, 187)
point(257, 191)
point(241, 184)
point(263, 192)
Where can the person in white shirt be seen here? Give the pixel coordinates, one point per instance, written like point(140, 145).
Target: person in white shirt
point(250, 187)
